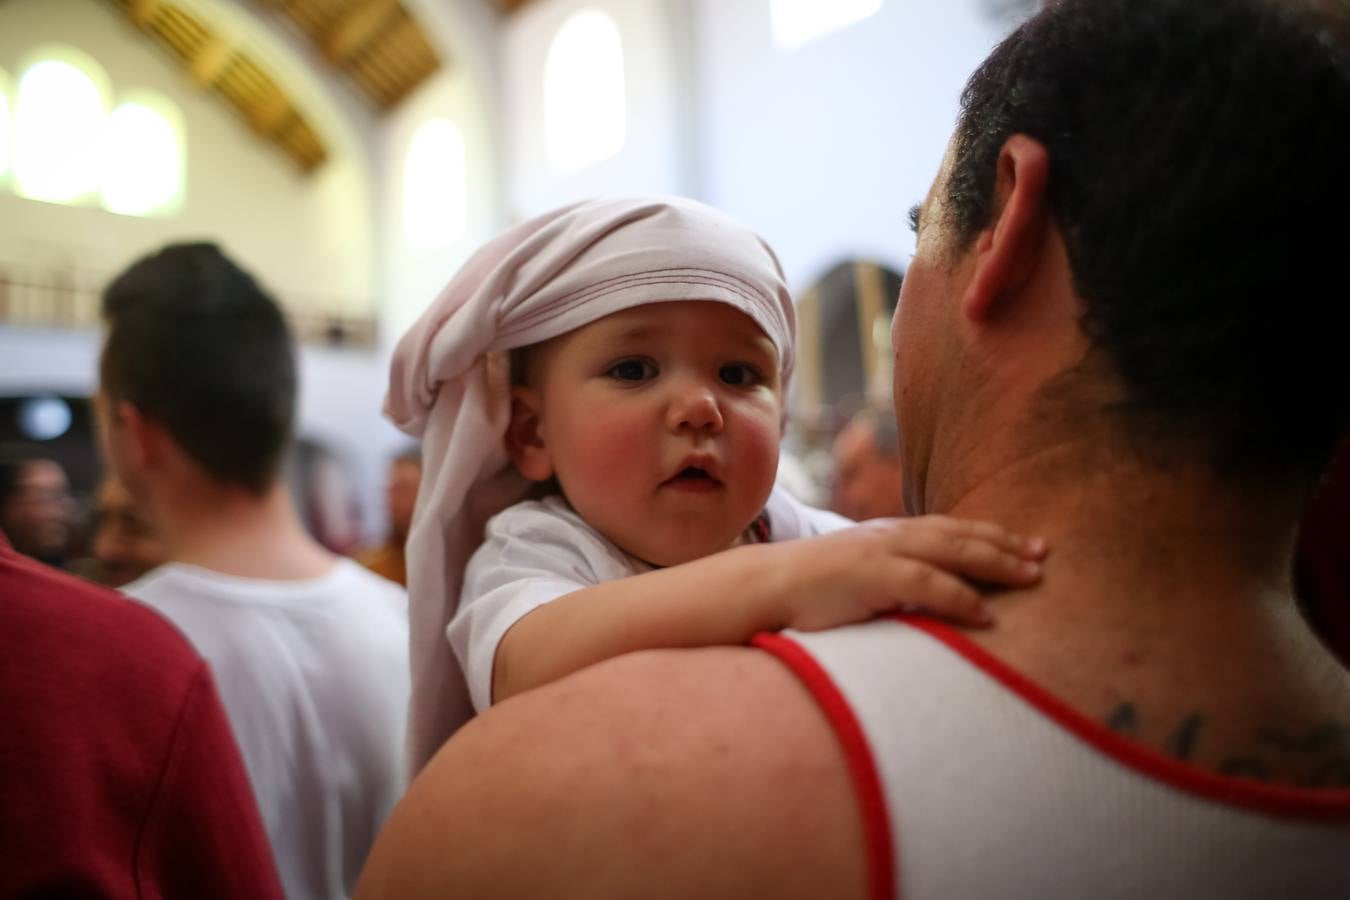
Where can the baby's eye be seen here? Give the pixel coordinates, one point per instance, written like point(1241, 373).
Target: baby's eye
point(632, 370)
point(739, 375)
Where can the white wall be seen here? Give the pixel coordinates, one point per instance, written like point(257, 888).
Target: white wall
point(824, 149)
point(309, 238)
point(464, 91)
point(650, 161)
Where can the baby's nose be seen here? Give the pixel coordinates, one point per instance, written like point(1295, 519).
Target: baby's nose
point(695, 407)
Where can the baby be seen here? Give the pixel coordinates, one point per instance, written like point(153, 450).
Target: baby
point(652, 344)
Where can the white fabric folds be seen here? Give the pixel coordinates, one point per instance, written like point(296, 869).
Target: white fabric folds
point(449, 380)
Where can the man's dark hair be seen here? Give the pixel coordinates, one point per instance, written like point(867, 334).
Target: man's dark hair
point(196, 345)
point(1199, 155)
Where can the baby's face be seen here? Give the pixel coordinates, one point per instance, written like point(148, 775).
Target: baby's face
point(661, 424)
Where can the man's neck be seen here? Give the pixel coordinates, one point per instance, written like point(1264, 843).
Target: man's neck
point(1166, 603)
point(234, 532)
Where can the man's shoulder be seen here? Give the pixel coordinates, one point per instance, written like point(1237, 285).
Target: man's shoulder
point(704, 770)
point(81, 615)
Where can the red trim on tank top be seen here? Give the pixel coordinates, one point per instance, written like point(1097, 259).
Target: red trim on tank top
point(862, 768)
point(1278, 800)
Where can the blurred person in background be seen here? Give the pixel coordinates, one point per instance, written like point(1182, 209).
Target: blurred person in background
point(867, 483)
point(35, 507)
point(197, 404)
point(388, 560)
point(125, 543)
point(119, 777)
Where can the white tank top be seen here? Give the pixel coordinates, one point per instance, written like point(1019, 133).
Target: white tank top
point(975, 782)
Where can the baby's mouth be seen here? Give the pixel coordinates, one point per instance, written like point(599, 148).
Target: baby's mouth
point(693, 477)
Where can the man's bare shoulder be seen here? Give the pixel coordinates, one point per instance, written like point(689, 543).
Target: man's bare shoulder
point(701, 772)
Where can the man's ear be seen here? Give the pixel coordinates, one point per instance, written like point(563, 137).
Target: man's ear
point(524, 442)
point(1006, 251)
point(140, 441)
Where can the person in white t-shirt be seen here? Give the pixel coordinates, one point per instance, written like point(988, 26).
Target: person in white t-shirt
point(309, 650)
point(650, 348)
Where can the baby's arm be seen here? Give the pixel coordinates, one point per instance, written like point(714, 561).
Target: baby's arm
point(843, 577)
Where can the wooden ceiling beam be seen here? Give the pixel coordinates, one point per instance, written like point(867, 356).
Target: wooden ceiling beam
point(356, 28)
point(211, 61)
point(143, 12)
point(268, 116)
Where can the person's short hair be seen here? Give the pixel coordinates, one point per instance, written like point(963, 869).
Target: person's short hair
point(1196, 148)
point(196, 345)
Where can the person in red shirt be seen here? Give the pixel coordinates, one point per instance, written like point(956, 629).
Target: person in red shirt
point(119, 776)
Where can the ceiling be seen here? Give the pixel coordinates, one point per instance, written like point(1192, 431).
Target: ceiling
point(376, 44)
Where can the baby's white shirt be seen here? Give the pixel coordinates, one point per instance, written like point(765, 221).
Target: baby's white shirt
point(540, 550)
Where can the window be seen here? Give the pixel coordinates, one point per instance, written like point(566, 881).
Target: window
point(5, 93)
point(435, 185)
point(68, 148)
point(143, 157)
point(584, 104)
point(799, 22)
point(58, 116)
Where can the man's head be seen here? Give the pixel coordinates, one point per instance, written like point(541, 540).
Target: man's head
point(400, 491)
point(867, 480)
point(35, 507)
point(1176, 159)
point(126, 544)
point(661, 424)
point(198, 351)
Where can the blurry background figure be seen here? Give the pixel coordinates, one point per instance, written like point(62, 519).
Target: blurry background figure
point(400, 491)
point(843, 362)
point(35, 508)
point(323, 488)
point(867, 481)
point(125, 544)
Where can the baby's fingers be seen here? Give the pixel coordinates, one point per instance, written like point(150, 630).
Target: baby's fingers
point(975, 550)
point(918, 586)
point(1030, 548)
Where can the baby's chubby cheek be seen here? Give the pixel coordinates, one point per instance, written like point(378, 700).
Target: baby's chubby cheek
point(756, 449)
point(613, 450)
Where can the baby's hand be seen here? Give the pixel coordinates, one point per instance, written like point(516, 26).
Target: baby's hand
point(923, 563)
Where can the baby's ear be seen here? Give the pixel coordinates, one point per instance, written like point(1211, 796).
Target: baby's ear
point(524, 443)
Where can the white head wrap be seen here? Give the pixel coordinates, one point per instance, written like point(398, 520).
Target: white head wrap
point(449, 380)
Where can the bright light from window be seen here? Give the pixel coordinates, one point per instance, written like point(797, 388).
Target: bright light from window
point(142, 160)
point(4, 122)
point(799, 22)
point(435, 185)
point(584, 105)
point(57, 122)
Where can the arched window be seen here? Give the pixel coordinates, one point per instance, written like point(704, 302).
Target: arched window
point(584, 102)
point(435, 185)
point(799, 22)
point(58, 118)
point(143, 156)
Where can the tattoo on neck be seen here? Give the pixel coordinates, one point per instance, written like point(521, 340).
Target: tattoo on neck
point(1320, 753)
point(1182, 742)
point(1124, 720)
